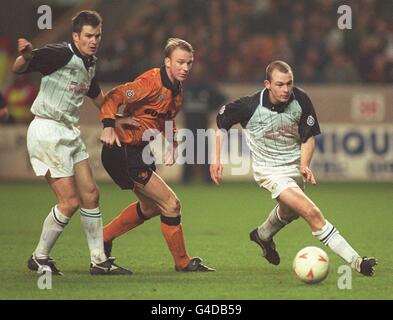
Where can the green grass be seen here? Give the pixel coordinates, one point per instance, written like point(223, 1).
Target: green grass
point(216, 222)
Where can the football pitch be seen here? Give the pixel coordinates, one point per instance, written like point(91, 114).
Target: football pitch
point(216, 222)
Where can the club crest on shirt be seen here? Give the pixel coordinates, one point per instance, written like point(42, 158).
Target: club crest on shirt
point(130, 93)
point(310, 121)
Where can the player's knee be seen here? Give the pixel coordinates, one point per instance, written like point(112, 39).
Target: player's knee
point(314, 215)
point(95, 196)
point(176, 205)
point(172, 207)
point(70, 205)
point(91, 198)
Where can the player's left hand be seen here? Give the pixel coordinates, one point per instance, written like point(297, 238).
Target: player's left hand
point(307, 175)
point(171, 155)
point(216, 171)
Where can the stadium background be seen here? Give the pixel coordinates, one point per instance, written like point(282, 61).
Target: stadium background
point(347, 73)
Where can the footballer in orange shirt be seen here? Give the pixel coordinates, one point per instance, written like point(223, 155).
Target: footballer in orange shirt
point(149, 101)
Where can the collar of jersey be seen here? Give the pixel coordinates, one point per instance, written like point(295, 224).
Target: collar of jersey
point(279, 108)
point(175, 88)
point(87, 61)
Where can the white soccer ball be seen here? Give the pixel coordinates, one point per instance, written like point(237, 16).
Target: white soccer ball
point(311, 264)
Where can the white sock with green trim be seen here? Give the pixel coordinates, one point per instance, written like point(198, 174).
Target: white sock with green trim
point(92, 224)
point(51, 230)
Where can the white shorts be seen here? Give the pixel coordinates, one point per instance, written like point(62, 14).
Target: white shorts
point(55, 147)
point(276, 183)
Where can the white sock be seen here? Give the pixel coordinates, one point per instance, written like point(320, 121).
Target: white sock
point(272, 225)
point(92, 224)
point(330, 237)
point(51, 230)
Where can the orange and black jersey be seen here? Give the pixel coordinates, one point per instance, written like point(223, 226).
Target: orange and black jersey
point(151, 98)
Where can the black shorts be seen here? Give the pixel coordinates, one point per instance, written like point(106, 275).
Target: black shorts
point(125, 165)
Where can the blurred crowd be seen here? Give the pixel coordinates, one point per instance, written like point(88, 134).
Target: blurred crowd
point(236, 39)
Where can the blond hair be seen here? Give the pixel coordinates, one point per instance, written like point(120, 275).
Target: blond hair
point(174, 43)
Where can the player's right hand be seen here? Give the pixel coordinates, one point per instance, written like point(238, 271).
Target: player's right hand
point(25, 48)
point(109, 137)
point(308, 175)
point(216, 171)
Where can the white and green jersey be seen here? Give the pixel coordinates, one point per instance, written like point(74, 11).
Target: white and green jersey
point(274, 133)
point(67, 78)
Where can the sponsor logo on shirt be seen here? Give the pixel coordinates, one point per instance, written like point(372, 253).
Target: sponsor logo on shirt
point(288, 131)
point(160, 115)
point(78, 88)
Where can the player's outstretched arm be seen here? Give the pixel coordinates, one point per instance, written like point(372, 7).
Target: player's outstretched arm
point(307, 150)
point(25, 49)
point(216, 168)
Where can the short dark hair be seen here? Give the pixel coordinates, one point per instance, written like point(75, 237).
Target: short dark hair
point(85, 18)
point(174, 43)
point(277, 65)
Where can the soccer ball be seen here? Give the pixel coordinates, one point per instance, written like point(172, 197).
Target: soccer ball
point(311, 264)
